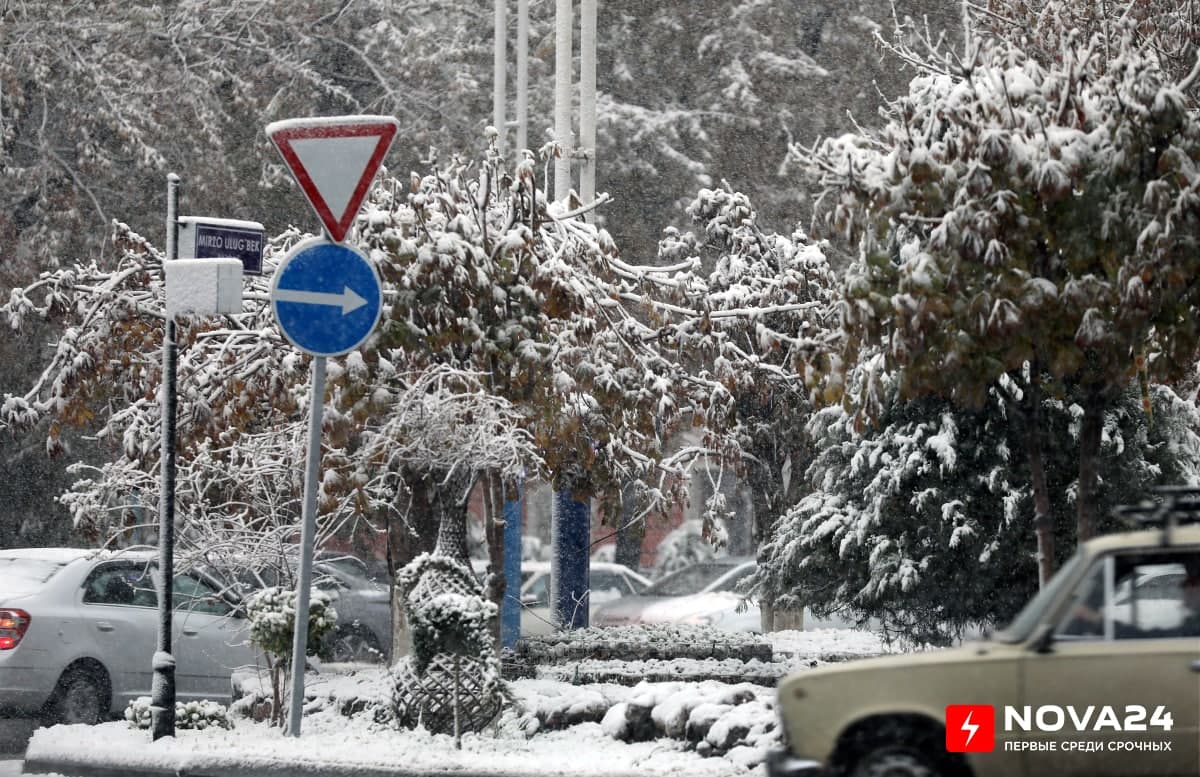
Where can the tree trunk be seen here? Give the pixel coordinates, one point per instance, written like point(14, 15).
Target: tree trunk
point(1090, 431)
point(629, 535)
point(408, 537)
point(1043, 523)
point(493, 521)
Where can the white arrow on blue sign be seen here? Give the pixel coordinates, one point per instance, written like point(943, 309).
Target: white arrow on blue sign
point(326, 297)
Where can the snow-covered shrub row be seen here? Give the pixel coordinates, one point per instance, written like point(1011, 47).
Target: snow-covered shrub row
point(642, 642)
point(729, 670)
point(737, 721)
point(198, 715)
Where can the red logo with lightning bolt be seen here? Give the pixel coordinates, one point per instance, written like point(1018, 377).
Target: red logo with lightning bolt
point(970, 728)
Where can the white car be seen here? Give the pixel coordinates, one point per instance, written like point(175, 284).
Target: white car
point(673, 599)
point(707, 593)
point(78, 630)
point(607, 582)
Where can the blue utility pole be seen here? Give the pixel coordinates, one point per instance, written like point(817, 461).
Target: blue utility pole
point(510, 607)
point(570, 539)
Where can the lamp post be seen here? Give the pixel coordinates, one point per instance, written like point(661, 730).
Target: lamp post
point(162, 689)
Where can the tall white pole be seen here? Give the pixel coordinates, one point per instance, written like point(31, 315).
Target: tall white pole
point(499, 81)
point(587, 99)
point(522, 75)
point(563, 50)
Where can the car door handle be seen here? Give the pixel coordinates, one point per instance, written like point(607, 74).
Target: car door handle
point(105, 626)
point(190, 632)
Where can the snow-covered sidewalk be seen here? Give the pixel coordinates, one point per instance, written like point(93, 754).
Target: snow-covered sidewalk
point(707, 729)
point(332, 744)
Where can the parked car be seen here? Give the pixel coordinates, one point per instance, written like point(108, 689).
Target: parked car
point(664, 601)
point(78, 630)
point(1095, 677)
point(607, 583)
point(364, 624)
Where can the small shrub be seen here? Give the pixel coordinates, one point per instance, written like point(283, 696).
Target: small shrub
point(197, 715)
point(272, 616)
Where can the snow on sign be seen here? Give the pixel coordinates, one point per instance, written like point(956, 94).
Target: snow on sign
point(326, 297)
point(334, 158)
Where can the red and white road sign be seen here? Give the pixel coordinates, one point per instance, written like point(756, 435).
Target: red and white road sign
point(334, 158)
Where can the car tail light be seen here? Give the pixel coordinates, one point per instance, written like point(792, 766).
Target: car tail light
point(13, 624)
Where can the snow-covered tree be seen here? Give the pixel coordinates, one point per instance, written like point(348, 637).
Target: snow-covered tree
point(1024, 213)
point(503, 324)
point(922, 521)
point(99, 100)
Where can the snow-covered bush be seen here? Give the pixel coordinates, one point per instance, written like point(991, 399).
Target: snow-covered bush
point(451, 623)
point(272, 616)
point(199, 715)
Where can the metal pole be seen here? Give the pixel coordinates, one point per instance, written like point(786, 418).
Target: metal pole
point(587, 100)
point(307, 534)
point(162, 689)
point(563, 49)
point(499, 81)
point(522, 75)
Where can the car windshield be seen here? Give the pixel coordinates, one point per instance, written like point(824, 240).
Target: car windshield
point(347, 565)
point(1030, 615)
point(26, 574)
point(690, 580)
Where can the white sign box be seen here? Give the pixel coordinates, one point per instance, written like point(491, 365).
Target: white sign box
point(205, 287)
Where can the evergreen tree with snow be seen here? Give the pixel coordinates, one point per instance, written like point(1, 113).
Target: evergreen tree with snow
point(1025, 212)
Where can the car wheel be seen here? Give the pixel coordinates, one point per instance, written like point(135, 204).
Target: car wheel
point(355, 645)
point(80, 697)
point(895, 762)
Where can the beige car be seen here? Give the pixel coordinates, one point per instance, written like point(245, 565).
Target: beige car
point(1098, 676)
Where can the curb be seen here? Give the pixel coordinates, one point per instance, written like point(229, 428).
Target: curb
point(70, 768)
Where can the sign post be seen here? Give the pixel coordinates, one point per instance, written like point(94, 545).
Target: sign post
point(327, 297)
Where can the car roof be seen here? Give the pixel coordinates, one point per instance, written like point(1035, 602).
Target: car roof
point(1145, 538)
point(67, 555)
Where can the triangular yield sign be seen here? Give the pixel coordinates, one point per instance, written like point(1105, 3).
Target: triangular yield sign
point(334, 159)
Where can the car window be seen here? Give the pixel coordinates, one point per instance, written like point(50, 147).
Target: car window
point(688, 580)
point(195, 595)
point(1033, 612)
point(607, 583)
point(123, 584)
point(1137, 596)
point(537, 592)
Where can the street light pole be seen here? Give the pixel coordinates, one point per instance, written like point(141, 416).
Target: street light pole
point(162, 689)
point(563, 49)
point(587, 101)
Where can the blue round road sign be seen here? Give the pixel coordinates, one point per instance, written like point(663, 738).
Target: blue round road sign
point(326, 297)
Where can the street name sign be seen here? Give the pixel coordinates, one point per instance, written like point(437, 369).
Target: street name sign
point(334, 159)
point(326, 297)
point(202, 237)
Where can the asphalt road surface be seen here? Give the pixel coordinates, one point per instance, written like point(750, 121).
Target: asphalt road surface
point(14, 735)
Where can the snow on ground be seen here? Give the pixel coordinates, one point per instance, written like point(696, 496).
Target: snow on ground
point(704, 711)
